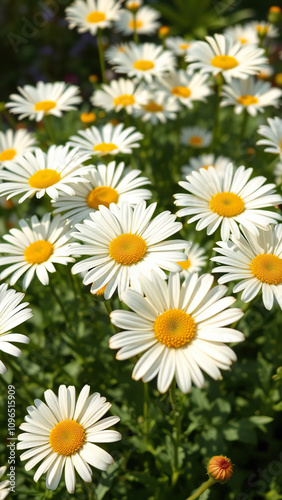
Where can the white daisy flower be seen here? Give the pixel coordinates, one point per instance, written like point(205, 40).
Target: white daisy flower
point(39, 173)
point(206, 161)
point(89, 15)
point(278, 173)
point(263, 29)
point(14, 144)
point(195, 262)
point(44, 99)
point(121, 94)
point(178, 45)
point(255, 260)
point(182, 330)
point(61, 434)
point(227, 201)
point(219, 54)
point(186, 88)
point(133, 4)
point(273, 134)
point(105, 185)
point(250, 94)
point(35, 248)
point(144, 21)
point(107, 140)
point(115, 50)
point(13, 312)
point(265, 73)
point(159, 108)
point(245, 34)
point(195, 137)
point(123, 243)
point(4, 485)
point(144, 61)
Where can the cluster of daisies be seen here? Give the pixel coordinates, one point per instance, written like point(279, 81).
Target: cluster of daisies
point(178, 320)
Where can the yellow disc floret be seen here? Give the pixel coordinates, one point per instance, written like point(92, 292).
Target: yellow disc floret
point(174, 328)
point(38, 252)
point(105, 147)
point(143, 65)
point(247, 100)
point(96, 17)
point(67, 437)
point(224, 62)
point(124, 100)
point(127, 249)
point(185, 264)
point(44, 178)
point(227, 204)
point(181, 91)
point(153, 107)
point(134, 24)
point(7, 154)
point(267, 268)
point(102, 195)
point(195, 140)
point(44, 106)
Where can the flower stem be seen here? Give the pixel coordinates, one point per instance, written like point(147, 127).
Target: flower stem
point(243, 129)
point(135, 34)
point(176, 432)
point(101, 55)
point(53, 291)
point(145, 407)
point(48, 127)
point(207, 484)
point(219, 83)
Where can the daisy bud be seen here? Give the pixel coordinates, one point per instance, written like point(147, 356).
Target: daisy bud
point(87, 117)
point(220, 468)
point(274, 14)
point(133, 5)
point(93, 78)
point(278, 79)
point(164, 31)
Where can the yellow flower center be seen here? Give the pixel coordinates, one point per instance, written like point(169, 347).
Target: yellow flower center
point(181, 91)
point(185, 264)
point(101, 291)
point(67, 437)
point(133, 6)
point(44, 178)
point(153, 107)
point(121, 49)
point(7, 154)
point(134, 24)
point(105, 147)
point(247, 100)
point(227, 204)
point(195, 140)
point(224, 62)
point(102, 195)
point(267, 268)
point(243, 40)
point(87, 117)
point(184, 46)
point(44, 106)
point(127, 249)
point(96, 17)
point(174, 328)
point(143, 65)
point(124, 100)
point(262, 30)
point(206, 167)
point(38, 252)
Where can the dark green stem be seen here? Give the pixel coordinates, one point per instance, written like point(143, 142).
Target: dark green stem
point(216, 114)
point(101, 55)
point(135, 34)
point(176, 432)
point(48, 127)
point(206, 485)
